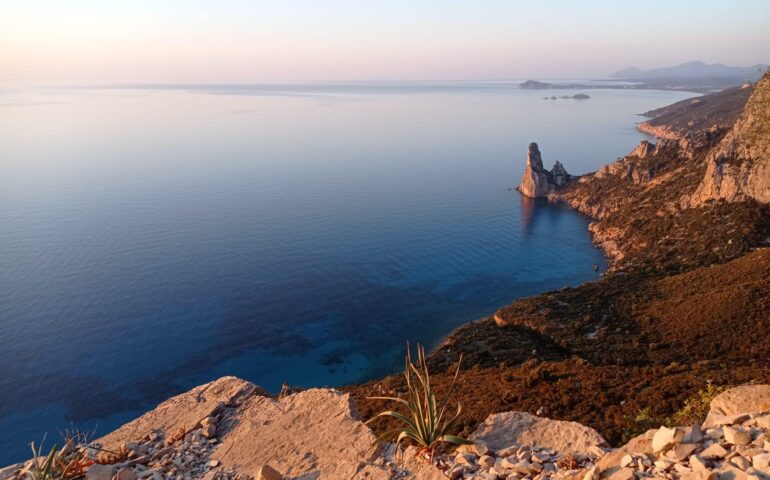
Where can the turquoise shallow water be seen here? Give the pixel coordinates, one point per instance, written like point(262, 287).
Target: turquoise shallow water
point(157, 237)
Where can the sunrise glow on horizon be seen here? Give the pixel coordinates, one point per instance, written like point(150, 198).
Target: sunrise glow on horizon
point(302, 40)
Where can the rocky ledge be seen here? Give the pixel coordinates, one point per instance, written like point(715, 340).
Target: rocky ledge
point(230, 429)
point(538, 182)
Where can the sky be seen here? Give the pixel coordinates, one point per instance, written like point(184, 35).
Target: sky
point(367, 40)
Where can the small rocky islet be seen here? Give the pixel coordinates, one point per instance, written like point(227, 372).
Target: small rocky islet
point(685, 224)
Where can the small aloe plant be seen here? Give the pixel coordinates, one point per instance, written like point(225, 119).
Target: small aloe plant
point(425, 422)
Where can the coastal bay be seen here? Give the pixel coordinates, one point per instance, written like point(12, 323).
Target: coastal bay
point(280, 234)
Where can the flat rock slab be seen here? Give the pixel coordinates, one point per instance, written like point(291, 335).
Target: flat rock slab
point(502, 430)
point(738, 400)
point(184, 411)
point(312, 434)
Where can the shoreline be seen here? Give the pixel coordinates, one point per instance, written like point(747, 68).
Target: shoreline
point(609, 248)
point(661, 132)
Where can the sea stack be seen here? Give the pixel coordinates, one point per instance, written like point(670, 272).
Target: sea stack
point(539, 182)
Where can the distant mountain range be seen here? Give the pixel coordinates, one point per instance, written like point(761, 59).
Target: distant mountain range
point(696, 69)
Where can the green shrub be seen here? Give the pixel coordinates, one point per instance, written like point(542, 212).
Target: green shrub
point(693, 411)
point(696, 407)
point(641, 422)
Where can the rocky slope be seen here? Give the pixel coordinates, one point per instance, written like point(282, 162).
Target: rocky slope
point(720, 109)
point(710, 187)
point(739, 168)
point(230, 429)
point(642, 206)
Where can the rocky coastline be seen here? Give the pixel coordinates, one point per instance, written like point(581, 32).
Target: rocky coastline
point(659, 131)
point(623, 378)
point(686, 287)
point(715, 110)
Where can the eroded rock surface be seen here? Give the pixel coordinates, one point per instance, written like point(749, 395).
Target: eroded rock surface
point(737, 401)
point(537, 182)
point(739, 168)
point(314, 432)
point(503, 429)
point(185, 411)
point(230, 429)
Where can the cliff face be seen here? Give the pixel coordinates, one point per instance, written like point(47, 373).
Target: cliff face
point(739, 168)
point(539, 182)
point(689, 202)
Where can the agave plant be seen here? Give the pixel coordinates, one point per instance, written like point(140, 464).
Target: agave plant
point(425, 422)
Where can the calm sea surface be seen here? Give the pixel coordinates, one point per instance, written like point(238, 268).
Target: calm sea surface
point(153, 238)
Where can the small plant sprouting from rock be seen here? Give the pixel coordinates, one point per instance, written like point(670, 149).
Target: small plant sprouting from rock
point(69, 463)
point(694, 410)
point(696, 407)
point(641, 422)
point(425, 423)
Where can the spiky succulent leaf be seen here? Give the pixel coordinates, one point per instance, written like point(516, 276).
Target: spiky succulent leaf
point(425, 423)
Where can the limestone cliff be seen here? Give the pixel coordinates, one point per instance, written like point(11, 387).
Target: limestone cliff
point(539, 182)
point(739, 167)
point(643, 211)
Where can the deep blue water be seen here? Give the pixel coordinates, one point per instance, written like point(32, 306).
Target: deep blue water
point(154, 238)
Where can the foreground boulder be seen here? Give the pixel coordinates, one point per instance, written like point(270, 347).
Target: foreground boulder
point(503, 429)
point(185, 411)
point(737, 401)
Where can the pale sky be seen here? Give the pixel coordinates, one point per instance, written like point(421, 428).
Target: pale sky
point(359, 40)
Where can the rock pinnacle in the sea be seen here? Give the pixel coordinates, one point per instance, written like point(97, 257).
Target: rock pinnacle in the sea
point(537, 181)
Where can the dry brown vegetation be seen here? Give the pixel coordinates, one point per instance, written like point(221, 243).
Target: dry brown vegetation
point(687, 306)
point(603, 352)
point(720, 109)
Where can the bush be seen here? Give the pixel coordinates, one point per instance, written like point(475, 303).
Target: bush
point(696, 407)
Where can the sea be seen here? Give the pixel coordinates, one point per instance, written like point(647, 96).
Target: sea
point(154, 237)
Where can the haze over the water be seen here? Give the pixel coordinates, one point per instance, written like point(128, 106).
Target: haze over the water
point(307, 40)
